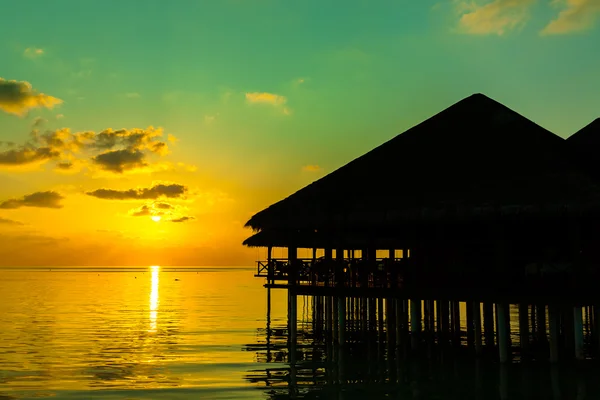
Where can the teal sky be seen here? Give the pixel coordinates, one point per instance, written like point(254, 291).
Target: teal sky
point(347, 75)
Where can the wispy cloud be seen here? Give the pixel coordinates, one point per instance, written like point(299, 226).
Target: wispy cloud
point(576, 16)
point(19, 97)
point(168, 212)
point(49, 199)
point(265, 98)
point(269, 98)
point(33, 52)
point(311, 168)
point(161, 190)
point(493, 17)
point(6, 221)
point(185, 218)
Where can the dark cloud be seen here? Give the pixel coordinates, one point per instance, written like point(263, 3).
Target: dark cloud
point(182, 219)
point(19, 97)
point(172, 190)
point(27, 155)
point(120, 160)
point(163, 206)
point(50, 145)
point(143, 211)
point(6, 221)
point(115, 151)
point(47, 199)
point(65, 166)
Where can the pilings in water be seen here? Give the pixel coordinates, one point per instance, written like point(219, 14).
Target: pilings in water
point(401, 327)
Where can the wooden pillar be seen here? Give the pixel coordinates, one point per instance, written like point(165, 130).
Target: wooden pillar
point(399, 321)
point(596, 331)
point(524, 329)
point(488, 323)
point(541, 323)
point(341, 322)
point(415, 322)
point(578, 328)
point(477, 328)
point(292, 318)
point(456, 333)
point(444, 321)
point(470, 324)
point(380, 313)
point(503, 333)
point(270, 266)
point(553, 316)
point(293, 265)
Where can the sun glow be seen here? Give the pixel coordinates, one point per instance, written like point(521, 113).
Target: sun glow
point(154, 297)
point(155, 218)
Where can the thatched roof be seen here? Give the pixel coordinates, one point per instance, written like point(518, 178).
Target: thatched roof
point(476, 157)
point(585, 146)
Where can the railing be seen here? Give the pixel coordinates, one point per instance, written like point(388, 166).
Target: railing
point(383, 272)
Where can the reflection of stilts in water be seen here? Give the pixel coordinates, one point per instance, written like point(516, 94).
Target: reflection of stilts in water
point(269, 325)
point(503, 386)
point(554, 373)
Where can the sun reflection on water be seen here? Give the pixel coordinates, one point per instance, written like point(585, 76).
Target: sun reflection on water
point(154, 297)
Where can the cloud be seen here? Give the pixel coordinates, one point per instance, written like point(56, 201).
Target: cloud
point(47, 199)
point(27, 155)
point(495, 17)
point(169, 212)
point(116, 151)
point(157, 191)
point(128, 149)
point(120, 160)
point(267, 98)
point(19, 97)
point(311, 168)
point(50, 145)
point(6, 221)
point(577, 16)
point(182, 219)
point(143, 211)
point(33, 52)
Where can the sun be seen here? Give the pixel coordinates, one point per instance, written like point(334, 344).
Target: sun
point(155, 218)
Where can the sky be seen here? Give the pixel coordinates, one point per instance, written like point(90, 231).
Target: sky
point(115, 113)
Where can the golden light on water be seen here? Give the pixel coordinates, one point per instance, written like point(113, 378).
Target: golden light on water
point(154, 296)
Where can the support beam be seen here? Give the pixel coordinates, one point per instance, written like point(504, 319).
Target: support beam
point(477, 328)
point(415, 322)
point(293, 265)
point(341, 322)
point(524, 329)
point(578, 327)
point(554, 322)
point(270, 266)
point(503, 333)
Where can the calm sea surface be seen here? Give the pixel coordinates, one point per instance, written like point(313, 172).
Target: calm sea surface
point(202, 333)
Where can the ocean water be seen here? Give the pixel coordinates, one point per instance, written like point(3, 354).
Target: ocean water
point(164, 333)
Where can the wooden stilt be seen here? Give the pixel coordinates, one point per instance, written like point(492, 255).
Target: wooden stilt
point(477, 328)
point(503, 333)
point(415, 322)
point(578, 327)
point(553, 317)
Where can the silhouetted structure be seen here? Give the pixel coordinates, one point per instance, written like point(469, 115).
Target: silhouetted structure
point(585, 146)
point(487, 205)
